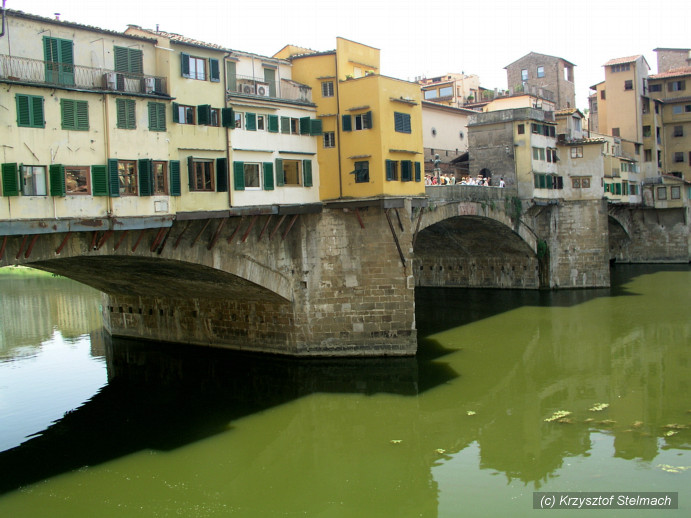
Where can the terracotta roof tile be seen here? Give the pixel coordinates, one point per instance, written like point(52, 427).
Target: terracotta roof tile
point(621, 61)
point(675, 72)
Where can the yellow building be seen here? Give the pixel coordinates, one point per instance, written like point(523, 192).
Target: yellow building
point(372, 124)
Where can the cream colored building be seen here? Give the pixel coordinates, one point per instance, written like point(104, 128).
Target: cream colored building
point(445, 133)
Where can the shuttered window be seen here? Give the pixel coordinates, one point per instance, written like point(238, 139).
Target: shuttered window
point(280, 173)
point(402, 122)
point(214, 71)
point(347, 123)
point(30, 111)
point(174, 168)
point(227, 118)
point(307, 173)
point(128, 60)
point(221, 175)
point(305, 126)
point(315, 127)
point(406, 171)
point(268, 176)
point(285, 124)
point(56, 174)
point(99, 180)
point(418, 174)
point(273, 123)
point(239, 176)
point(10, 181)
point(75, 114)
point(125, 113)
point(251, 121)
point(146, 179)
point(157, 117)
point(58, 55)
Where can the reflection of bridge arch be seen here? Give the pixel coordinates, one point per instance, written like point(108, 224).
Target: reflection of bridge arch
point(619, 228)
point(475, 244)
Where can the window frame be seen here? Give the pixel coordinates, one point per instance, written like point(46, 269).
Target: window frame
point(402, 122)
point(156, 181)
point(185, 110)
point(23, 177)
point(78, 119)
point(201, 169)
point(125, 114)
point(157, 116)
point(329, 139)
point(85, 173)
point(540, 71)
point(246, 175)
point(327, 88)
point(361, 171)
point(133, 188)
point(28, 103)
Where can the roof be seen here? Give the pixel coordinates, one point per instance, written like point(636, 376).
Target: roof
point(538, 54)
point(675, 72)
point(568, 111)
point(628, 59)
point(43, 19)
point(445, 107)
point(179, 38)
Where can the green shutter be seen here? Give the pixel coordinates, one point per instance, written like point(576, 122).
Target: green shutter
point(176, 113)
point(23, 110)
point(113, 178)
point(67, 114)
point(268, 176)
point(315, 127)
point(204, 114)
point(367, 120)
point(136, 61)
point(347, 123)
point(285, 124)
point(280, 173)
point(222, 175)
point(251, 121)
point(304, 125)
point(37, 119)
point(174, 169)
point(273, 124)
point(185, 64)
point(75, 114)
point(10, 180)
point(157, 116)
point(307, 173)
point(227, 118)
point(120, 113)
point(239, 176)
point(121, 56)
point(99, 180)
point(214, 71)
point(190, 173)
point(146, 179)
point(406, 170)
point(389, 170)
point(418, 175)
point(57, 179)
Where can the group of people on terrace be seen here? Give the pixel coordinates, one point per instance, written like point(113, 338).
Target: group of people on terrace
point(449, 179)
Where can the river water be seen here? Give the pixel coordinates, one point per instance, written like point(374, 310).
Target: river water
point(91, 427)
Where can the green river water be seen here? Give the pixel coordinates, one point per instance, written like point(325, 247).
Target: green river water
point(91, 427)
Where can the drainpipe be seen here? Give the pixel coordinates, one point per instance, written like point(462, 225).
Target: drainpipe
point(338, 129)
point(106, 124)
point(227, 130)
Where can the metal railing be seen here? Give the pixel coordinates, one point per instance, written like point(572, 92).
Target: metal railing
point(258, 87)
point(67, 75)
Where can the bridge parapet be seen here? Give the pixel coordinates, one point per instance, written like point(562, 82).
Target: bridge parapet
point(476, 193)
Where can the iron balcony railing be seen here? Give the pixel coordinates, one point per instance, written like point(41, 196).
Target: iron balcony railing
point(258, 87)
point(26, 70)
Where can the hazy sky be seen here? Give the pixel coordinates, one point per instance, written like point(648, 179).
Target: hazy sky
point(416, 38)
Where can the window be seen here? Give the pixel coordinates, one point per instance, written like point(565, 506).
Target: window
point(292, 172)
point(285, 125)
point(538, 153)
point(603, 96)
point(362, 121)
point(577, 152)
point(207, 116)
point(675, 192)
point(75, 114)
point(201, 174)
point(431, 94)
point(329, 139)
point(239, 117)
point(678, 156)
point(401, 122)
point(676, 86)
point(328, 89)
point(77, 180)
point(687, 108)
point(615, 132)
point(677, 110)
point(446, 91)
point(647, 131)
point(128, 60)
point(551, 155)
point(391, 170)
point(628, 84)
point(124, 112)
point(157, 117)
point(361, 172)
point(621, 68)
point(548, 181)
point(648, 155)
point(59, 57)
point(33, 180)
point(678, 131)
point(260, 122)
point(662, 193)
point(524, 75)
point(183, 114)
point(29, 111)
point(580, 182)
point(160, 177)
point(127, 177)
point(521, 129)
point(655, 87)
point(252, 176)
point(540, 71)
point(193, 67)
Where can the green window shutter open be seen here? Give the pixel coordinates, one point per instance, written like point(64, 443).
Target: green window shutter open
point(203, 114)
point(418, 175)
point(174, 177)
point(251, 121)
point(176, 113)
point(347, 123)
point(315, 127)
point(268, 176)
point(146, 179)
point(37, 119)
point(222, 175)
point(190, 172)
point(389, 170)
point(99, 180)
point(227, 118)
point(113, 180)
point(214, 71)
point(239, 176)
point(273, 123)
point(185, 64)
point(367, 120)
point(307, 173)
point(57, 179)
point(406, 170)
point(280, 174)
point(10, 180)
point(304, 125)
point(285, 124)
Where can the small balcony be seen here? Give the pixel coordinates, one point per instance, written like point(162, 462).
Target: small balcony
point(49, 73)
point(285, 89)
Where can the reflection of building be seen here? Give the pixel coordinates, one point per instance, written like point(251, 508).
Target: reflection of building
point(552, 77)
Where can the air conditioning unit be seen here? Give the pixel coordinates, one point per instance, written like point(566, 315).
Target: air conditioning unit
point(263, 89)
point(110, 81)
point(246, 87)
point(149, 85)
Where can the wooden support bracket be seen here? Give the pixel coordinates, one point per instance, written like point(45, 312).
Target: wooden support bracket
point(157, 239)
point(395, 237)
point(94, 240)
point(106, 236)
point(290, 225)
point(164, 241)
point(194, 241)
point(122, 238)
point(141, 235)
point(249, 228)
point(2, 248)
point(417, 226)
point(280, 222)
point(359, 217)
point(58, 250)
point(31, 246)
point(237, 229)
point(177, 241)
point(268, 220)
point(21, 248)
point(217, 234)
